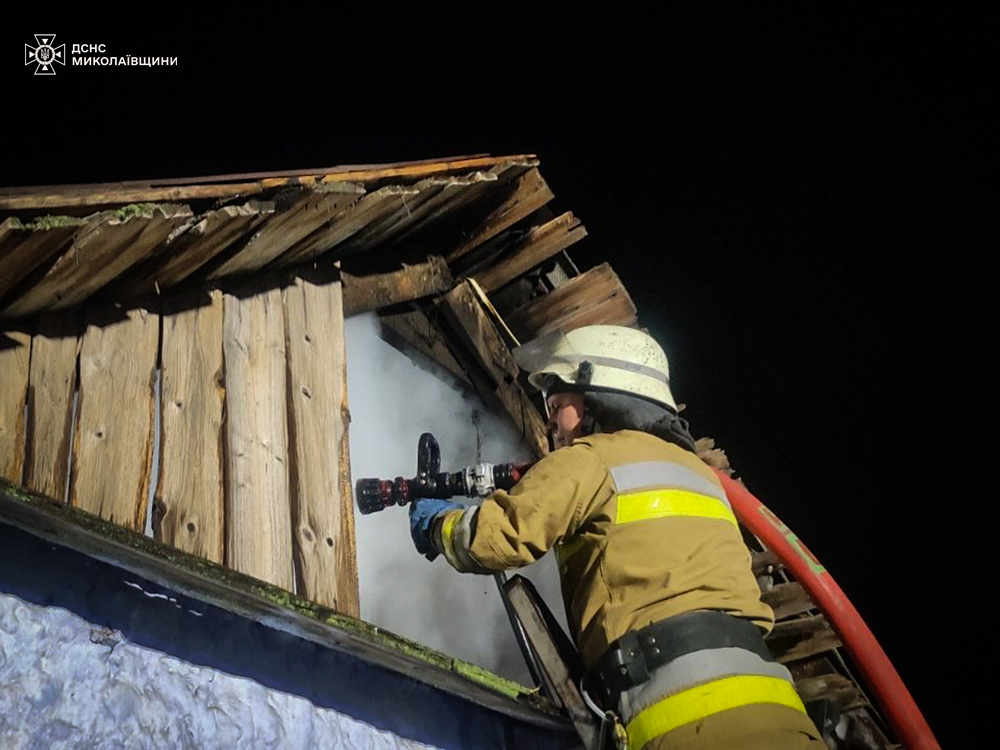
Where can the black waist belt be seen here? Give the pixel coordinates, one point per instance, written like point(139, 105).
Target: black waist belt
point(632, 658)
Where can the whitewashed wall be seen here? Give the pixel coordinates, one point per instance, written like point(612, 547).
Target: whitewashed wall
point(67, 684)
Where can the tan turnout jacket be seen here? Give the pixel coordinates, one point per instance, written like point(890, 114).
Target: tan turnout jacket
point(641, 528)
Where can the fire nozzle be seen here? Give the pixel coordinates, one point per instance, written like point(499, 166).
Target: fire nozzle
point(480, 480)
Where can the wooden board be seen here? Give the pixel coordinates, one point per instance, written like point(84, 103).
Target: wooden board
point(194, 245)
point(525, 196)
point(413, 330)
point(833, 687)
point(15, 355)
point(322, 504)
point(377, 290)
point(800, 638)
point(480, 336)
point(189, 503)
point(113, 444)
point(448, 203)
point(67, 196)
point(540, 244)
point(345, 224)
point(258, 511)
point(23, 249)
point(787, 599)
point(592, 298)
point(52, 381)
point(102, 250)
point(411, 209)
point(306, 212)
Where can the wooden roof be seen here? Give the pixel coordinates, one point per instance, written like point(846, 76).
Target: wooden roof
point(462, 257)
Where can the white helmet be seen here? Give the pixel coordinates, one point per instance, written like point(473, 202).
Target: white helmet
point(611, 358)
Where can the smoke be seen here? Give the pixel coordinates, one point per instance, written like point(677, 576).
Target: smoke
point(392, 401)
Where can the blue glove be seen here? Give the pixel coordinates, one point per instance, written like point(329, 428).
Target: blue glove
point(423, 511)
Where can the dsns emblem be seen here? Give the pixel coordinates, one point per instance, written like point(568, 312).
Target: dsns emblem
point(45, 55)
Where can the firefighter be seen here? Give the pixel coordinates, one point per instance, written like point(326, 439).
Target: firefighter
point(656, 578)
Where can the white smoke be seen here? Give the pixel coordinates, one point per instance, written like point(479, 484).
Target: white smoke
point(392, 401)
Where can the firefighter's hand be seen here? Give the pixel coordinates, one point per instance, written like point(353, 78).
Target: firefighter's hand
point(423, 511)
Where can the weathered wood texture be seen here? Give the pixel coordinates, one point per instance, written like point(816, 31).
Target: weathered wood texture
point(410, 209)
point(189, 505)
point(99, 253)
point(415, 330)
point(258, 511)
point(15, 355)
point(193, 246)
point(23, 249)
point(345, 223)
point(592, 298)
point(483, 340)
point(271, 607)
point(55, 347)
point(787, 599)
point(525, 196)
point(112, 451)
point(832, 687)
point(376, 290)
point(306, 212)
point(798, 639)
point(70, 196)
point(454, 197)
point(322, 503)
point(536, 247)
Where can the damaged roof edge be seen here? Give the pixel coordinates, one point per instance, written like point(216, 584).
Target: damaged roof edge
point(269, 605)
point(49, 197)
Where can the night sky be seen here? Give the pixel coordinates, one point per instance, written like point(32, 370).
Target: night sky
point(793, 215)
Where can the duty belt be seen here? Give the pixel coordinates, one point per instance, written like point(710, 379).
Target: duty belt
point(631, 659)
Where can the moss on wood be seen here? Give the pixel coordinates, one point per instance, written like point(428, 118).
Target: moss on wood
point(285, 600)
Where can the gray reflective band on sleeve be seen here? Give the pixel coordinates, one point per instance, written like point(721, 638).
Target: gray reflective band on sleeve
point(461, 539)
point(621, 364)
point(694, 669)
point(649, 475)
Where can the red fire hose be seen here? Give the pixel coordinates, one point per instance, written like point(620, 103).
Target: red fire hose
point(890, 693)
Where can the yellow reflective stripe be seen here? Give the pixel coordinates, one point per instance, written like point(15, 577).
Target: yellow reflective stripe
point(447, 529)
point(711, 698)
point(638, 506)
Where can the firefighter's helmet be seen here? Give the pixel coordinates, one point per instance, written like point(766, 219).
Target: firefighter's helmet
point(600, 358)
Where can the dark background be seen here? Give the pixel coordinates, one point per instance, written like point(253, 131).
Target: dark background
point(795, 214)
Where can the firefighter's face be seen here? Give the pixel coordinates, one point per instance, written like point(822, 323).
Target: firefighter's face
point(565, 418)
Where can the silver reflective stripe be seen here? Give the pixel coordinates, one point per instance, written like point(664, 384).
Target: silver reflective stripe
point(653, 474)
point(695, 669)
point(618, 364)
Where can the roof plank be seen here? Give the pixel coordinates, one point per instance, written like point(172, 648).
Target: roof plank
point(100, 251)
point(525, 196)
point(536, 247)
point(344, 224)
point(51, 197)
point(365, 293)
point(306, 212)
point(25, 248)
point(594, 297)
point(481, 337)
point(193, 245)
